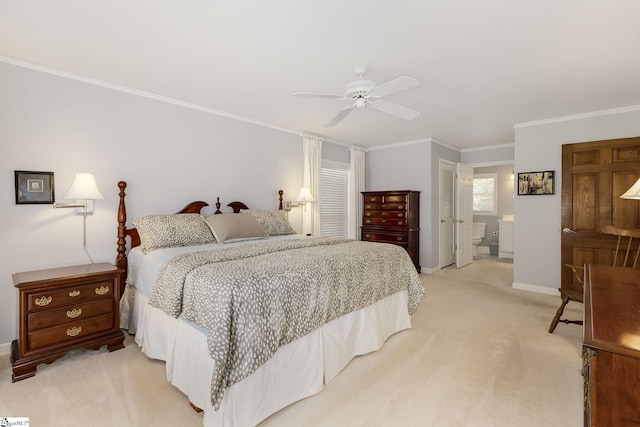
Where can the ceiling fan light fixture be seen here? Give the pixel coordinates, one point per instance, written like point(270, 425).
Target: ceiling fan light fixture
point(362, 92)
point(358, 89)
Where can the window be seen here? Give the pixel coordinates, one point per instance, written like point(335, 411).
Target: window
point(334, 199)
point(485, 197)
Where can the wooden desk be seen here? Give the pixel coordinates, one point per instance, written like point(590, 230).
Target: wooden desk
point(611, 346)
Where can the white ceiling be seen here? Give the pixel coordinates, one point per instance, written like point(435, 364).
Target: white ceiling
point(484, 65)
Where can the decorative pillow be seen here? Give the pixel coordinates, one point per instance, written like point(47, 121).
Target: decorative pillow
point(168, 231)
point(275, 223)
point(233, 228)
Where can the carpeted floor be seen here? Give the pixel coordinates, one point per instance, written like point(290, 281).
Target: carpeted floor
point(478, 355)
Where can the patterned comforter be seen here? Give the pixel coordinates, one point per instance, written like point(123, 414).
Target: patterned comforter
point(257, 297)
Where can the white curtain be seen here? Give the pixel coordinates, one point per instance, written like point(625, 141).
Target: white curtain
point(356, 186)
point(312, 155)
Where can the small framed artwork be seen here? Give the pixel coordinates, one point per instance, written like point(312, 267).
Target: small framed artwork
point(33, 188)
point(536, 183)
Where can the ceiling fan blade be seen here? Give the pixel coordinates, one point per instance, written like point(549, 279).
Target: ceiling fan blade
point(339, 116)
point(396, 110)
point(396, 85)
point(319, 95)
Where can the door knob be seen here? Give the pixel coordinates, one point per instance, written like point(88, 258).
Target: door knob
point(443, 220)
point(567, 230)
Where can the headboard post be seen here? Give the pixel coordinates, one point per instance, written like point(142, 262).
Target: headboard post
point(121, 258)
point(280, 193)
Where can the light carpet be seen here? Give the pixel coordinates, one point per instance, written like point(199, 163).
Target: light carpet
point(478, 355)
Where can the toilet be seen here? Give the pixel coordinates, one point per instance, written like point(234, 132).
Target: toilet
point(477, 234)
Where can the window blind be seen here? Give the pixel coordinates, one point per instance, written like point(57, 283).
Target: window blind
point(334, 211)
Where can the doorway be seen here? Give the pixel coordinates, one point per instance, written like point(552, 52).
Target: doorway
point(447, 213)
point(447, 195)
point(504, 197)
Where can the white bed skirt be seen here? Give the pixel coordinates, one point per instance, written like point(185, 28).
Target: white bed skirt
point(297, 370)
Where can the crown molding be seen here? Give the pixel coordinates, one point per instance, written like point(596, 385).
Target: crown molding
point(401, 144)
point(619, 110)
point(161, 98)
point(488, 147)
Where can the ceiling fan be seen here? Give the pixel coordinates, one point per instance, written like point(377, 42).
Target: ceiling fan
point(365, 93)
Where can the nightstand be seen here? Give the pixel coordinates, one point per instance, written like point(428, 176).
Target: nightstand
point(62, 309)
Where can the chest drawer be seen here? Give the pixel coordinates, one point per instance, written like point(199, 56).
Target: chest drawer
point(48, 299)
point(69, 332)
point(71, 313)
point(374, 198)
point(385, 214)
point(386, 221)
point(375, 236)
point(385, 206)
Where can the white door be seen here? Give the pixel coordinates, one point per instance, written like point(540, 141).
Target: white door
point(464, 215)
point(447, 214)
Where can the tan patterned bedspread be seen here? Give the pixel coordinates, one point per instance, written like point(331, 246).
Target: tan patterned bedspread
point(257, 297)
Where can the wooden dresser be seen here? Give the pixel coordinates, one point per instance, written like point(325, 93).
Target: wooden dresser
point(611, 346)
point(393, 217)
point(62, 309)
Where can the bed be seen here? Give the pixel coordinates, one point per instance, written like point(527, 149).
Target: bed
point(287, 357)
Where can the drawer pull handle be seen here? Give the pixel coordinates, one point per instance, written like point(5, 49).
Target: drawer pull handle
point(373, 199)
point(368, 221)
point(368, 213)
point(72, 314)
point(384, 220)
point(400, 222)
point(75, 331)
point(102, 290)
point(367, 235)
point(399, 238)
point(74, 293)
point(367, 207)
point(400, 206)
point(400, 215)
point(43, 301)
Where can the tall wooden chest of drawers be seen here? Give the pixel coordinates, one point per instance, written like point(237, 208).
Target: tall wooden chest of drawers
point(393, 217)
point(62, 309)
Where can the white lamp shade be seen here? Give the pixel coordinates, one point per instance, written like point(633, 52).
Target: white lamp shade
point(305, 195)
point(84, 188)
point(633, 192)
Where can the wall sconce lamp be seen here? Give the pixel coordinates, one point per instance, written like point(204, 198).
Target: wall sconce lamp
point(305, 197)
point(84, 190)
point(633, 192)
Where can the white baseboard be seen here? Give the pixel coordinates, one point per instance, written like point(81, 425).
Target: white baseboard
point(5, 348)
point(535, 288)
point(430, 270)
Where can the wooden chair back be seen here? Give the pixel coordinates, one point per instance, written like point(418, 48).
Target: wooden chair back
point(623, 234)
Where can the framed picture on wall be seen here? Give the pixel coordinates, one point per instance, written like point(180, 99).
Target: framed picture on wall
point(33, 188)
point(536, 183)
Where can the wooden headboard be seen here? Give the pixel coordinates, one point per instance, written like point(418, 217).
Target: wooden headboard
point(132, 233)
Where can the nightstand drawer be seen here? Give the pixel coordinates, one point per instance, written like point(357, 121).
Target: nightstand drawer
point(62, 309)
point(45, 300)
point(69, 332)
point(72, 313)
